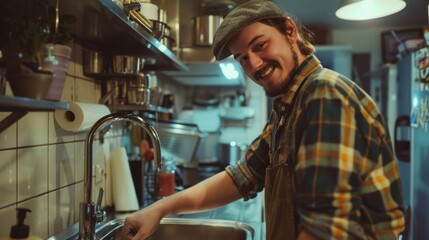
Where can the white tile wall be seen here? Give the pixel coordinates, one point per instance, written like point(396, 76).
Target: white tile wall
point(32, 172)
point(37, 219)
point(79, 160)
point(41, 165)
point(78, 198)
point(61, 165)
point(7, 177)
point(8, 136)
point(7, 219)
point(61, 209)
point(33, 129)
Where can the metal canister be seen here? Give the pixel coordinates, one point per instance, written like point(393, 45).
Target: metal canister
point(205, 28)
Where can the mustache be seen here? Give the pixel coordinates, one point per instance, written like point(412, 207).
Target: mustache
point(271, 64)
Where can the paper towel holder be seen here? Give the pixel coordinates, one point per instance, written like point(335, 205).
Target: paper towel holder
point(88, 211)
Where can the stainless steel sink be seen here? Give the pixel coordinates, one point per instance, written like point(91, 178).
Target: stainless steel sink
point(187, 229)
point(178, 228)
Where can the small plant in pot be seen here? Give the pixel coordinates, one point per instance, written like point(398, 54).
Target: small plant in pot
point(59, 29)
point(27, 46)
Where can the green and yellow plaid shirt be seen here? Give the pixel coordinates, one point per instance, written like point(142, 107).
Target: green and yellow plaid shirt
point(346, 173)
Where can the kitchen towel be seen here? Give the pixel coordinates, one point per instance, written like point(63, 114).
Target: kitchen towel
point(80, 116)
point(124, 194)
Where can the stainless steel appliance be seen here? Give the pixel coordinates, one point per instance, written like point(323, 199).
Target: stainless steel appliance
point(413, 100)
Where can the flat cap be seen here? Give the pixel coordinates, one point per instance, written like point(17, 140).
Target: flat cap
point(239, 18)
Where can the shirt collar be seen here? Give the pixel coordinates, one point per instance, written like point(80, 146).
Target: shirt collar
point(307, 67)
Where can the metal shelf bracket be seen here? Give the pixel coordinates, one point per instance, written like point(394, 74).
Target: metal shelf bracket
point(11, 119)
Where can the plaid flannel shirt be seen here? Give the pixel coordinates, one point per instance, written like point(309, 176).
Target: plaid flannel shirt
point(346, 173)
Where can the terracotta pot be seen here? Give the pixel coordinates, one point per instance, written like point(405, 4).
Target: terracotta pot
point(57, 58)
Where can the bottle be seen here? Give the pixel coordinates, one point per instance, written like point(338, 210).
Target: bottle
point(20, 230)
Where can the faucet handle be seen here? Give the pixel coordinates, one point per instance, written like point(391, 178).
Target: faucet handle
point(100, 214)
point(100, 198)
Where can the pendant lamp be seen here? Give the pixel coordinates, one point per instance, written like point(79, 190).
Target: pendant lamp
point(368, 9)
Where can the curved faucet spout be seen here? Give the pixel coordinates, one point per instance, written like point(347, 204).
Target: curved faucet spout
point(101, 124)
point(87, 221)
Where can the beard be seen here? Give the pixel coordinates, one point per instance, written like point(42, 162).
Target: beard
point(276, 90)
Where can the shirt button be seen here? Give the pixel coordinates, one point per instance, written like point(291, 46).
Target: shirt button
point(283, 108)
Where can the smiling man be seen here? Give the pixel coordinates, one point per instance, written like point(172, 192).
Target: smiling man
point(324, 159)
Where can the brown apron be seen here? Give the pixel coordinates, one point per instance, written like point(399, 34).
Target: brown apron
point(280, 212)
point(279, 193)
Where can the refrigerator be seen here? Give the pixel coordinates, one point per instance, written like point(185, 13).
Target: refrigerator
point(413, 111)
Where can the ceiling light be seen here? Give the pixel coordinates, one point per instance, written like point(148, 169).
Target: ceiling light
point(368, 9)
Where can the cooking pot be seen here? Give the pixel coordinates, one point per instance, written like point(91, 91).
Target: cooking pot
point(231, 152)
point(160, 29)
point(94, 62)
point(138, 95)
point(208, 149)
point(168, 42)
point(139, 91)
point(127, 64)
point(205, 28)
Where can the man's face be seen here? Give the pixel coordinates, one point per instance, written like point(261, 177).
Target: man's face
point(266, 56)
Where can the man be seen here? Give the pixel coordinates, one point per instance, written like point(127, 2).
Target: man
point(324, 158)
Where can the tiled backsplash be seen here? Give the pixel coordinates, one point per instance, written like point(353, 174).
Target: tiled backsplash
point(41, 165)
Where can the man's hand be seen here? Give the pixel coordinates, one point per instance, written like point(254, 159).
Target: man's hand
point(141, 224)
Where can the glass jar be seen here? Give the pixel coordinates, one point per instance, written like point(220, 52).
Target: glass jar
point(166, 178)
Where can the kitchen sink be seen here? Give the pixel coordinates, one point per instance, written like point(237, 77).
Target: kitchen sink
point(187, 229)
point(178, 228)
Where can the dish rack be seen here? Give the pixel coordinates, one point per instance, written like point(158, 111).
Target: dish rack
point(178, 140)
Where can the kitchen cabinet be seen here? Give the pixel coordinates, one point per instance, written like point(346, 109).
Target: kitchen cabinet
point(20, 106)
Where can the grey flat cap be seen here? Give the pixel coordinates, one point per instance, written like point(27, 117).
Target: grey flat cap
point(239, 18)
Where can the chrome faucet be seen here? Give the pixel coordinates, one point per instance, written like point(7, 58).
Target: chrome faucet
point(91, 213)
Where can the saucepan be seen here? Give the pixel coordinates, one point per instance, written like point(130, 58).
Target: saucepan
point(127, 64)
point(94, 62)
point(205, 28)
point(159, 29)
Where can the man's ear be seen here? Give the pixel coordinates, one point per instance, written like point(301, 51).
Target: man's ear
point(292, 31)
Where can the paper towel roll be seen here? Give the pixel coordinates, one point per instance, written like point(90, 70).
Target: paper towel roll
point(80, 116)
point(124, 194)
point(108, 191)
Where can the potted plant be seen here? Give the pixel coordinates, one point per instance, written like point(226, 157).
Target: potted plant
point(59, 28)
point(32, 30)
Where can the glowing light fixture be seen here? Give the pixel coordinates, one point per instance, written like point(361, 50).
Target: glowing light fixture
point(368, 9)
point(229, 71)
